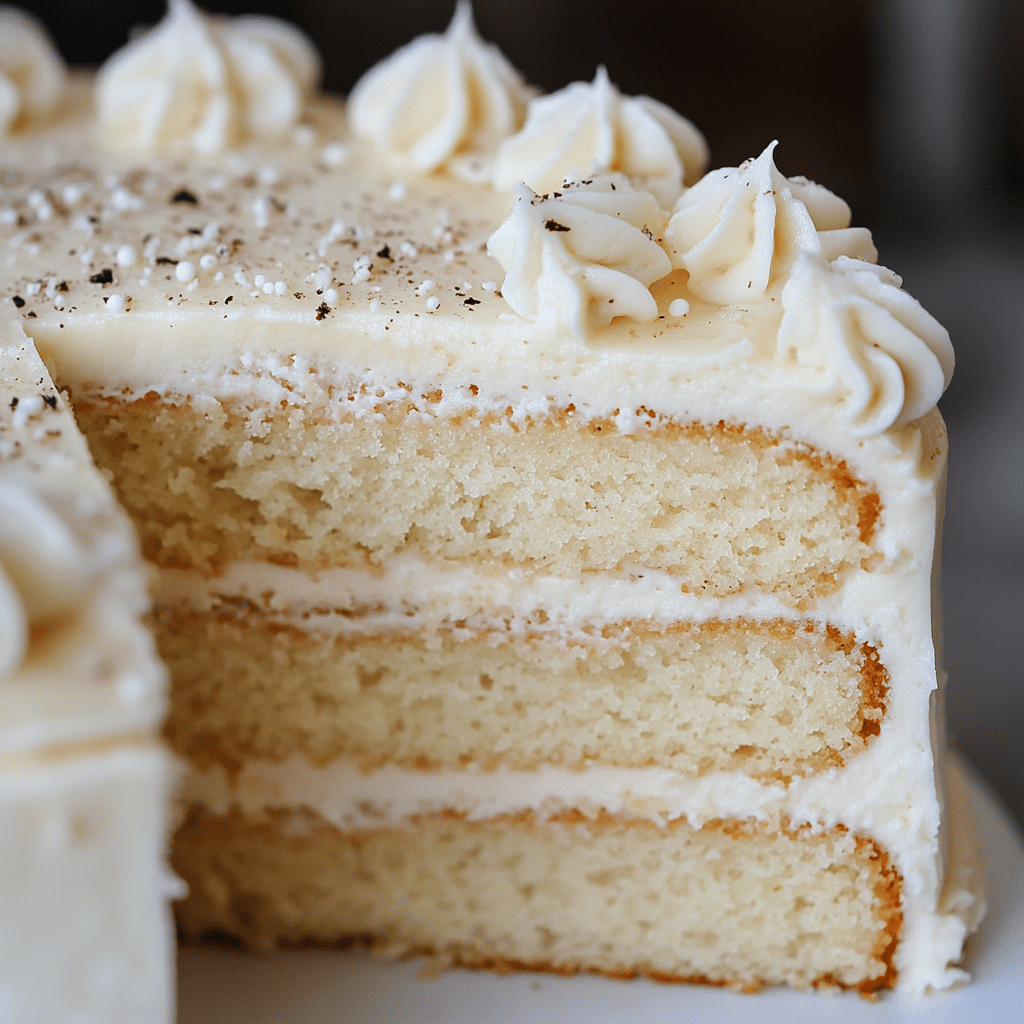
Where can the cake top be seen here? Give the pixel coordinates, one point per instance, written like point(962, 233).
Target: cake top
point(75, 663)
point(447, 205)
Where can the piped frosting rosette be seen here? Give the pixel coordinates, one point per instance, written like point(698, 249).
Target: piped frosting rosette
point(887, 360)
point(46, 566)
point(33, 77)
point(442, 100)
point(204, 83)
point(739, 229)
point(583, 255)
point(593, 128)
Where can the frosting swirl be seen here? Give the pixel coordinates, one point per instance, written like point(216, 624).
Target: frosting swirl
point(591, 128)
point(738, 230)
point(203, 83)
point(32, 74)
point(888, 358)
point(44, 568)
point(580, 257)
point(441, 100)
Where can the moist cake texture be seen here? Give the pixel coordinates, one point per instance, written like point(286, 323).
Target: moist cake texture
point(545, 530)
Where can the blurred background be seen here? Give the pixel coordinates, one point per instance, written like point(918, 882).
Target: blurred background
point(912, 110)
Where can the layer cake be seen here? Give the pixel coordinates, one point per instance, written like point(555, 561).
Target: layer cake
point(546, 530)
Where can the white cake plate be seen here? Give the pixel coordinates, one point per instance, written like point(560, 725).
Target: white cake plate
point(352, 988)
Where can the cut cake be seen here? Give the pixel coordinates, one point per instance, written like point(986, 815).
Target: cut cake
point(547, 535)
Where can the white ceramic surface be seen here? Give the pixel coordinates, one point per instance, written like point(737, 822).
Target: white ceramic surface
point(331, 988)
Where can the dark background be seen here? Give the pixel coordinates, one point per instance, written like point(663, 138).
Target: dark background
point(912, 110)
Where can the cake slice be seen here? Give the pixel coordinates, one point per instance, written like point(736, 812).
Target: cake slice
point(84, 781)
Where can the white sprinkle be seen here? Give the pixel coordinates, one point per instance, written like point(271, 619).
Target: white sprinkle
point(397, 191)
point(8, 215)
point(240, 279)
point(121, 199)
point(72, 194)
point(115, 302)
point(322, 278)
point(267, 175)
point(374, 305)
point(149, 252)
point(193, 285)
point(185, 271)
point(86, 256)
point(207, 261)
point(261, 212)
point(361, 269)
point(211, 231)
point(258, 281)
point(425, 287)
point(219, 276)
point(678, 307)
point(331, 296)
point(449, 256)
point(432, 303)
point(143, 281)
point(334, 154)
point(280, 287)
point(488, 286)
point(303, 135)
point(126, 256)
point(268, 287)
point(111, 180)
point(32, 288)
point(408, 249)
point(35, 198)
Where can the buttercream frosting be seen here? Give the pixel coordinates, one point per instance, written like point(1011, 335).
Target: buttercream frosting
point(738, 230)
point(591, 128)
point(442, 100)
point(580, 257)
point(881, 355)
point(32, 74)
point(203, 83)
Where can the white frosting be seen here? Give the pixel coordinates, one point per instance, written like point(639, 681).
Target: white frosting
point(579, 258)
point(204, 83)
point(32, 74)
point(76, 665)
point(882, 357)
point(738, 230)
point(44, 570)
point(442, 100)
point(87, 935)
point(591, 128)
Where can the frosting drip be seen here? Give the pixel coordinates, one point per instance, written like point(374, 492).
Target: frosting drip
point(441, 100)
point(739, 229)
point(583, 256)
point(887, 357)
point(591, 128)
point(204, 83)
point(32, 75)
